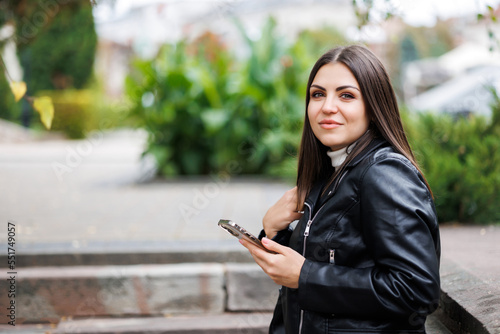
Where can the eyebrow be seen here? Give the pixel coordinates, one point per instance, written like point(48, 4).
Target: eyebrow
point(337, 89)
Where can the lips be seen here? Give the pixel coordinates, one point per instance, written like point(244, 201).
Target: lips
point(329, 124)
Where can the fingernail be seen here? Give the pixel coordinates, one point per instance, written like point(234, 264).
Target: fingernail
point(265, 240)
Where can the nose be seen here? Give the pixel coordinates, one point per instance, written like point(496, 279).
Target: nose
point(330, 105)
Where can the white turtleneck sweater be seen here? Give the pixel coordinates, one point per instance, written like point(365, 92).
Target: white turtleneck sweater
point(338, 156)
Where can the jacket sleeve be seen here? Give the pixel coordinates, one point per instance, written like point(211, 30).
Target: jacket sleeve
point(399, 227)
point(282, 237)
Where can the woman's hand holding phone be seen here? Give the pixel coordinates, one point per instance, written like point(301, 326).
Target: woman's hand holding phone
point(281, 263)
point(283, 267)
point(281, 214)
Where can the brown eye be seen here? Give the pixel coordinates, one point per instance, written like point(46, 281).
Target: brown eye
point(347, 96)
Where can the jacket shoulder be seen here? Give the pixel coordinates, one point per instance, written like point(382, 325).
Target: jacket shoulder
point(392, 168)
point(386, 156)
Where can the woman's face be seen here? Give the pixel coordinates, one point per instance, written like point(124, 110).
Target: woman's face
point(336, 109)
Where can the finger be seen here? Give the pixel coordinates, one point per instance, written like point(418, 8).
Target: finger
point(254, 249)
point(246, 244)
point(259, 255)
point(273, 246)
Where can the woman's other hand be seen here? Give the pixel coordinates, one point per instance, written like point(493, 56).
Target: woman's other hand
point(281, 214)
point(283, 267)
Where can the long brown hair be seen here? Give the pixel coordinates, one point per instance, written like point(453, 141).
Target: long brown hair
point(382, 109)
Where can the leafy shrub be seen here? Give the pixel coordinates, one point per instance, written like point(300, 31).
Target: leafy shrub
point(204, 110)
point(59, 53)
point(80, 111)
point(461, 160)
point(179, 100)
point(71, 111)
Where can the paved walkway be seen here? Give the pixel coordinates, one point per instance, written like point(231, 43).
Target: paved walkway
point(92, 194)
point(96, 191)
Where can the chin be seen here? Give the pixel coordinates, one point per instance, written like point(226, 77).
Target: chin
point(332, 143)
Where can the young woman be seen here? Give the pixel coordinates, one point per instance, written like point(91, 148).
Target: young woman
point(364, 255)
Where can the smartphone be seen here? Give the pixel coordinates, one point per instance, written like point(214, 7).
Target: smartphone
point(240, 233)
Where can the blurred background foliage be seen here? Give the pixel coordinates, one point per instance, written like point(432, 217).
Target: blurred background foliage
point(9, 109)
point(204, 108)
point(64, 72)
point(67, 63)
point(461, 161)
point(208, 108)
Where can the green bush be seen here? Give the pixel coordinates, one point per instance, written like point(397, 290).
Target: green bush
point(58, 51)
point(179, 98)
point(204, 110)
point(71, 111)
point(461, 160)
point(80, 111)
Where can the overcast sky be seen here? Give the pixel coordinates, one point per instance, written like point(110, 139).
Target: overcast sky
point(424, 12)
point(414, 12)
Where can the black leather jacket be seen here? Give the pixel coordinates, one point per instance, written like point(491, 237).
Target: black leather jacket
point(372, 252)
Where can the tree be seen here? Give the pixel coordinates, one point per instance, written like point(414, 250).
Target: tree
point(64, 34)
point(56, 42)
point(367, 13)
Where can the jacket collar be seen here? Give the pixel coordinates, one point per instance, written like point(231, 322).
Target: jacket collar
point(375, 144)
point(314, 195)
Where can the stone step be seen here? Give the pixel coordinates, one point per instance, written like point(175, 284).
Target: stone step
point(248, 323)
point(47, 294)
point(244, 323)
point(130, 253)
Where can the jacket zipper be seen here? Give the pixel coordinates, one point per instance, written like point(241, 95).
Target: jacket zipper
point(306, 234)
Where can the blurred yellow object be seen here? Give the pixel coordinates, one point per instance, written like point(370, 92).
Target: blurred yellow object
point(18, 89)
point(45, 108)
point(72, 111)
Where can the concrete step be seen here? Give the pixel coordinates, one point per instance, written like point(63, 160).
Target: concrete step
point(249, 323)
point(28, 329)
point(435, 323)
point(469, 303)
point(243, 323)
point(47, 294)
point(96, 253)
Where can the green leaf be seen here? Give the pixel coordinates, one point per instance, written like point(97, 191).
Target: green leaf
point(160, 153)
point(214, 119)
